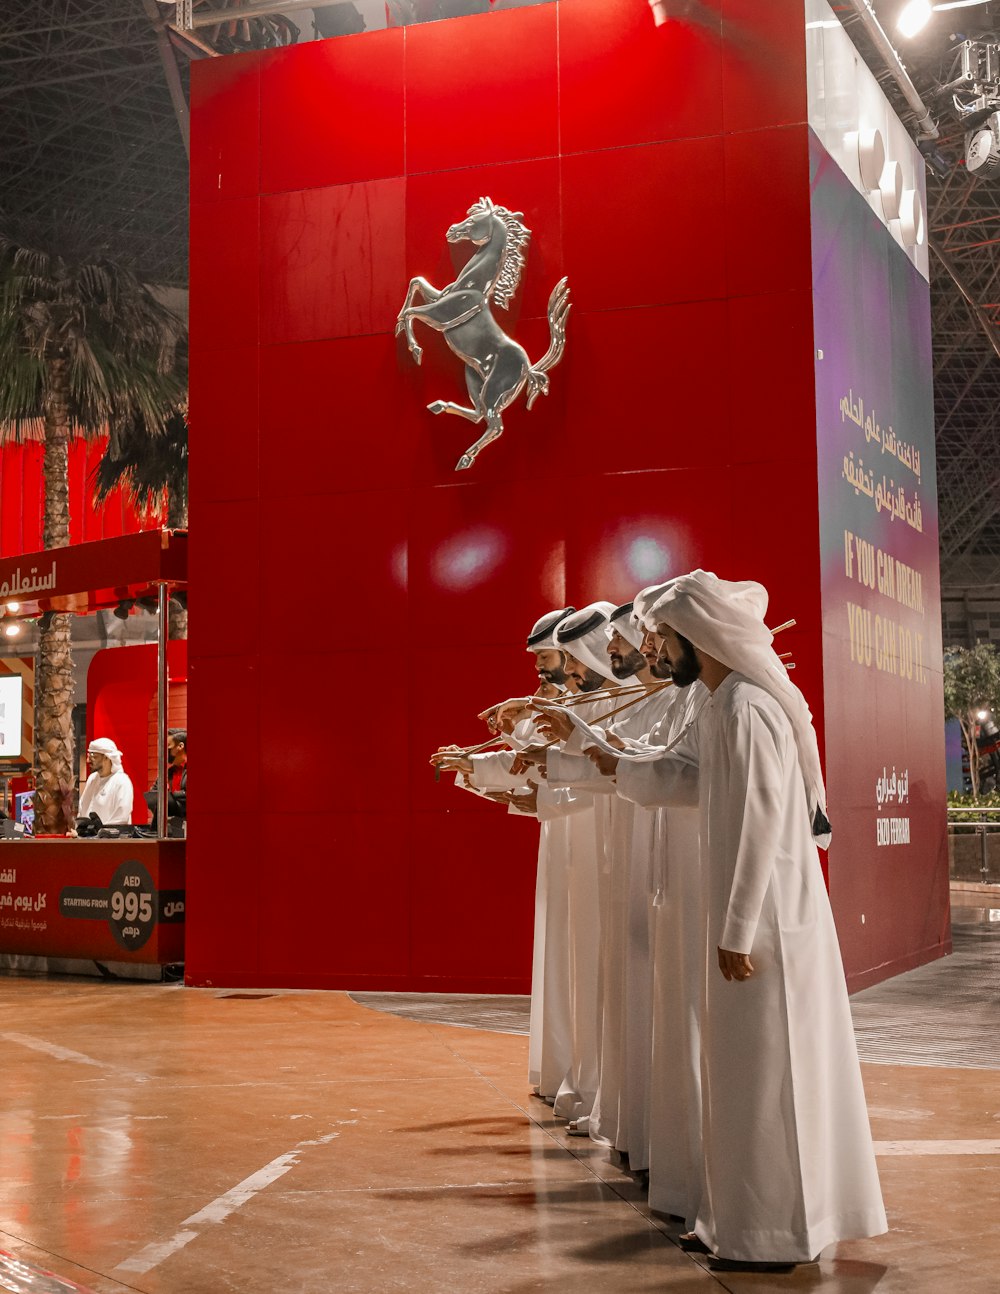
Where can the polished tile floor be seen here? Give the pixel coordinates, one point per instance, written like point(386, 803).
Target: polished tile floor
point(197, 1142)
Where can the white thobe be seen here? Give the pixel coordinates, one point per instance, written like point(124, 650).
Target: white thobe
point(609, 1123)
point(656, 1101)
point(561, 1043)
point(109, 797)
point(669, 838)
point(787, 1153)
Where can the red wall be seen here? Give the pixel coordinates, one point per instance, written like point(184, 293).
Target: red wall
point(121, 704)
point(370, 600)
point(22, 499)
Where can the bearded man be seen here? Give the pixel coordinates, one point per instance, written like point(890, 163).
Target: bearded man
point(787, 1159)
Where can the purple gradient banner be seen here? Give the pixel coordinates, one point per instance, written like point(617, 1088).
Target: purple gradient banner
point(880, 586)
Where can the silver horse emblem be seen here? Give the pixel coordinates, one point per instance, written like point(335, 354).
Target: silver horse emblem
point(497, 368)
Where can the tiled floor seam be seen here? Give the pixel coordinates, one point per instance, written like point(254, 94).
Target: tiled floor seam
point(48, 1255)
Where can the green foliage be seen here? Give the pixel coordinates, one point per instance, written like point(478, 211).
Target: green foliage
point(971, 683)
point(963, 800)
point(148, 467)
point(964, 823)
point(73, 305)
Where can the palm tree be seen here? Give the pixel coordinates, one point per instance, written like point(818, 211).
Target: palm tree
point(84, 346)
point(151, 468)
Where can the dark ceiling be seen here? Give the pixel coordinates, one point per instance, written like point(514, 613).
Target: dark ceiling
point(90, 126)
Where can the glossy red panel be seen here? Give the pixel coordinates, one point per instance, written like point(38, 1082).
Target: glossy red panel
point(225, 127)
point(776, 525)
point(332, 261)
point(223, 560)
point(625, 81)
point(222, 875)
point(482, 559)
point(312, 754)
point(768, 419)
point(355, 421)
point(482, 89)
point(767, 246)
point(450, 683)
point(318, 916)
point(225, 249)
point(230, 686)
point(763, 63)
point(648, 225)
point(473, 872)
point(332, 112)
point(665, 359)
point(434, 202)
point(679, 432)
point(349, 573)
point(641, 528)
point(222, 388)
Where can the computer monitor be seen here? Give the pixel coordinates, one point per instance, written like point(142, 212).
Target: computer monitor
point(24, 811)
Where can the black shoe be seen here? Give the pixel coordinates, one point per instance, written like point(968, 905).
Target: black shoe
point(734, 1265)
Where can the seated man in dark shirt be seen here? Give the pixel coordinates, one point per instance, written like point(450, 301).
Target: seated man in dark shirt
point(177, 748)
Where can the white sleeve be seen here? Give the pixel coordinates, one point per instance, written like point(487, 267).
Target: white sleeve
point(87, 796)
point(120, 808)
point(753, 815)
point(668, 781)
point(560, 802)
point(491, 771)
point(671, 780)
point(577, 771)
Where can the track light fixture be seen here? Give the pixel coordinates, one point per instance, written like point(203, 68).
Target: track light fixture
point(45, 620)
point(123, 608)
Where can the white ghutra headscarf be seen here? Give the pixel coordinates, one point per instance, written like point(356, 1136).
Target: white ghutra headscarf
point(725, 619)
point(586, 635)
point(105, 746)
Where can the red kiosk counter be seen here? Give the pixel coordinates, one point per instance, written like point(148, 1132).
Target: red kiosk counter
point(67, 904)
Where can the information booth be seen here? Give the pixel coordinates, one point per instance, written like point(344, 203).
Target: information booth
point(114, 905)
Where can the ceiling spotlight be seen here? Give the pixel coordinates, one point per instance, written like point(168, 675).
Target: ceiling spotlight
point(982, 715)
point(12, 606)
point(12, 630)
point(123, 608)
point(914, 17)
point(917, 14)
point(45, 621)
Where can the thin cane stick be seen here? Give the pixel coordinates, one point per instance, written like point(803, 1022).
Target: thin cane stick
point(603, 695)
point(787, 625)
point(611, 713)
point(483, 745)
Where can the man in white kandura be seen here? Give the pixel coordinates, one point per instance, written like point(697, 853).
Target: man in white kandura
point(788, 1161)
point(108, 790)
point(562, 1060)
point(585, 638)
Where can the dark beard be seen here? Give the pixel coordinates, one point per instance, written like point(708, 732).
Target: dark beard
point(556, 676)
point(626, 666)
point(660, 668)
point(687, 669)
point(592, 681)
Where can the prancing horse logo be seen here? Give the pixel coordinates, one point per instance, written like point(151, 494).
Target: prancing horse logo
point(497, 368)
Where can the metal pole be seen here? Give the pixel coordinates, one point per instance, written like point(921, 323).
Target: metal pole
point(984, 865)
point(162, 684)
point(187, 19)
point(173, 76)
point(926, 126)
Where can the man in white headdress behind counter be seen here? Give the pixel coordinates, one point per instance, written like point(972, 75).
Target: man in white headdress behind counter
point(787, 1159)
point(108, 791)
